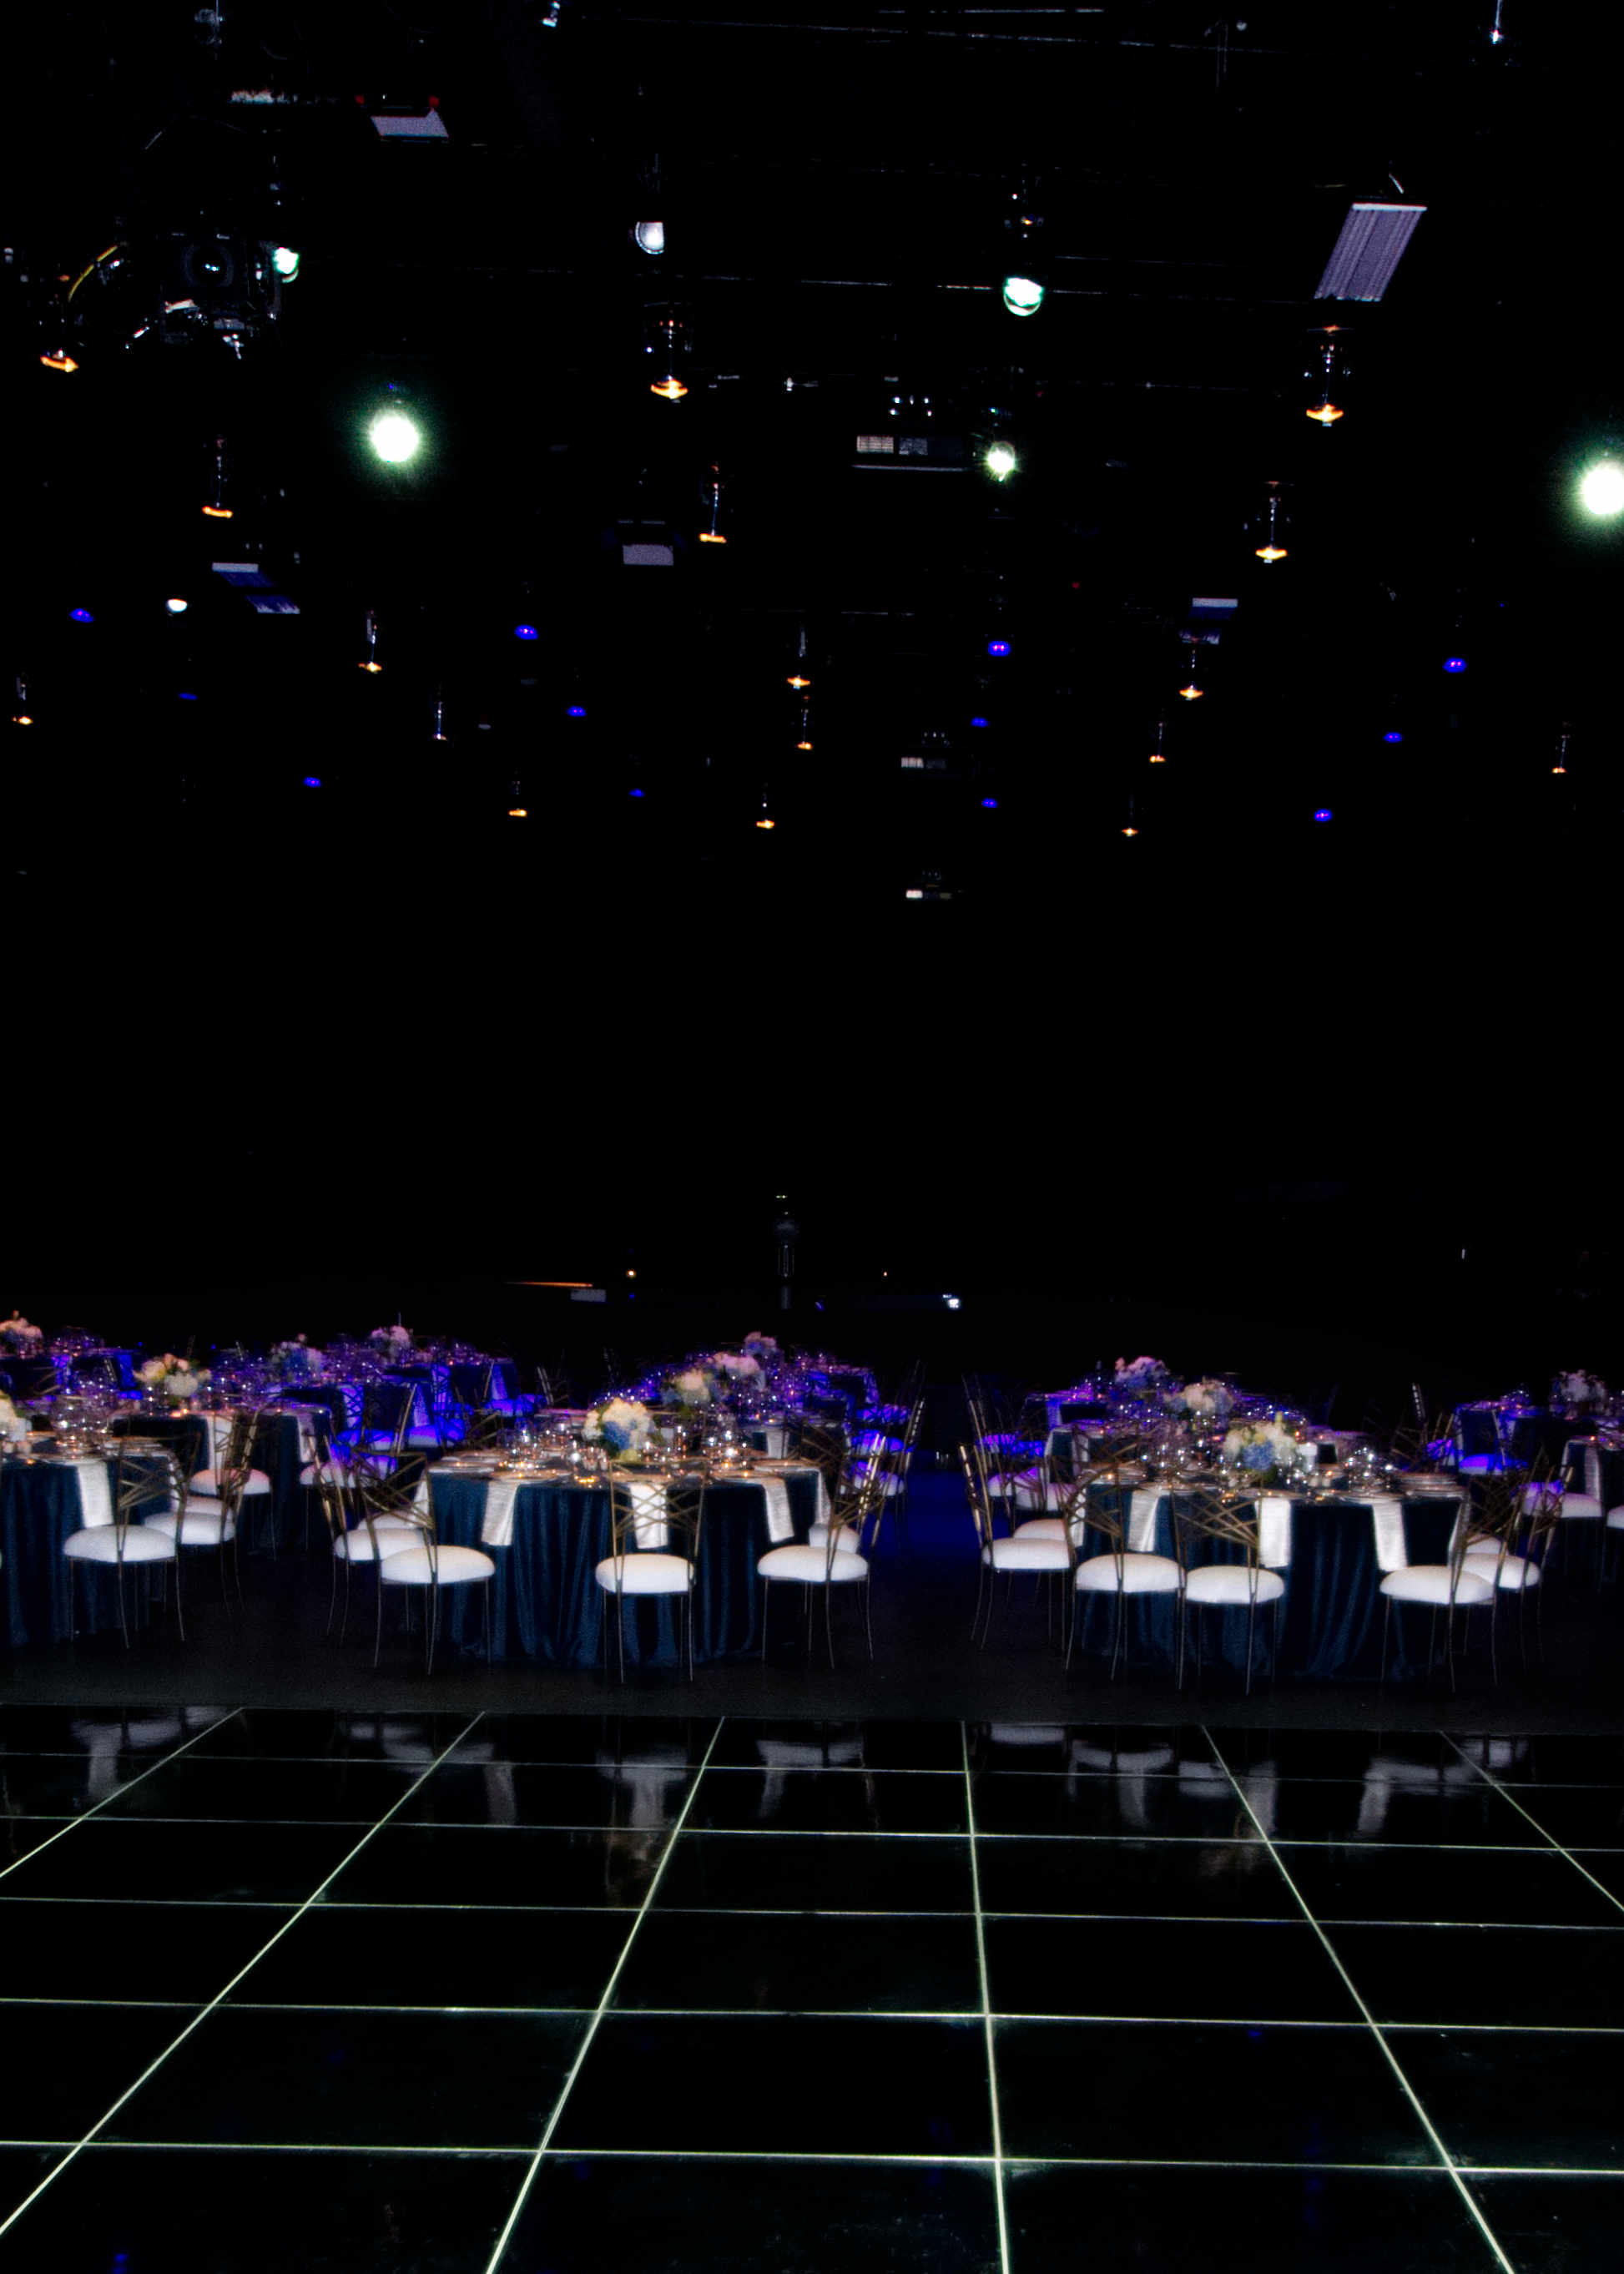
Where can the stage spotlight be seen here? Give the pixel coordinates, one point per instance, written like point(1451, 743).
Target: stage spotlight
point(649, 236)
point(176, 606)
point(285, 262)
point(1000, 461)
point(1024, 296)
point(1602, 489)
point(394, 438)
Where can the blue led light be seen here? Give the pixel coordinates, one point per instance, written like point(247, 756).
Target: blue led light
point(997, 647)
point(1454, 663)
point(1324, 814)
point(978, 722)
point(633, 792)
point(312, 782)
point(1393, 736)
point(80, 616)
point(990, 804)
point(577, 710)
point(525, 631)
point(188, 698)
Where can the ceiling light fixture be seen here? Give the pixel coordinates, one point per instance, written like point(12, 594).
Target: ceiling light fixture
point(57, 359)
point(1601, 490)
point(1024, 285)
point(285, 262)
point(176, 606)
point(1326, 369)
point(1368, 250)
point(369, 661)
point(711, 492)
point(805, 743)
point(216, 508)
point(648, 237)
point(1271, 549)
point(800, 677)
point(394, 437)
point(1000, 460)
point(668, 346)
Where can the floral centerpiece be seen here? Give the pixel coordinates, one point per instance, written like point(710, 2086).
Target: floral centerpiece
point(1577, 1390)
point(296, 1361)
point(391, 1343)
point(17, 1335)
point(741, 1368)
point(14, 1425)
point(1267, 1451)
point(624, 1426)
point(763, 1348)
point(1206, 1400)
point(692, 1386)
point(175, 1377)
point(1140, 1377)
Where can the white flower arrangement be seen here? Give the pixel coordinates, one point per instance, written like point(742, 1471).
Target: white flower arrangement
point(625, 1425)
point(177, 1377)
point(296, 1361)
point(1131, 1372)
point(738, 1366)
point(1208, 1398)
point(17, 1331)
point(695, 1385)
point(1579, 1389)
point(1267, 1450)
point(391, 1339)
point(764, 1347)
point(14, 1425)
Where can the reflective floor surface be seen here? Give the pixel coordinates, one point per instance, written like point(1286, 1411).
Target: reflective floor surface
point(440, 1993)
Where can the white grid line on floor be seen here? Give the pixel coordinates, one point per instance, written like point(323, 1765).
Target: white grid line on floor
point(987, 2017)
point(1387, 2053)
point(596, 2024)
point(73, 1823)
point(295, 1914)
point(1554, 1843)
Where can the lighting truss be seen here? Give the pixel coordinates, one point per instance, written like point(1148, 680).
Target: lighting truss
point(1364, 256)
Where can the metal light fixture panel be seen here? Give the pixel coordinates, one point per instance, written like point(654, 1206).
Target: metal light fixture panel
point(1369, 249)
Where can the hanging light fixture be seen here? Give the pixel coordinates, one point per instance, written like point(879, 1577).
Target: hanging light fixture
point(711, 491)
point(1562, 741)
point(1271, 549)
point(21, 716)
point(1129, 828)
point(57, 359)
point(216, 508)
point(440, 734)
point(1026, 284)
point(1192, 690)
point(1158, 752)
point(369, 661)
point(805, 743)
point(668, 345)
point(800, 677)
point(1326, 370)
point(763, 819)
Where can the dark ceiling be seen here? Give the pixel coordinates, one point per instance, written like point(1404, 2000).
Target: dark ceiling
point(834, 183)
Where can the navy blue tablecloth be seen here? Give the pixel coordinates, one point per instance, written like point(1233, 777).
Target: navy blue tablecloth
point(1330, 1619)
point(40, 1505)
point(546, 1603)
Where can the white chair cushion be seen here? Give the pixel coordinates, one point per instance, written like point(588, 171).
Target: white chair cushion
point(1231, 1583)
point(846, 1541)
point(1577, 1506)
point(394, 1535)
point(1615, 1517)
point(413, 1566)
point(1515, 1575)
point(645, 1572)
point(1028, 1555)
point(206, 1483)
point(1042, 1527)
point(1429, 1582)
point(1478, 1464)
point(203, 1527)
point(812, 1565)
point(142, 1544)
point(1141, 1575)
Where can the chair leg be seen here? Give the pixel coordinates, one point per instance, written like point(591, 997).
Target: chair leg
point(981, 1594)
point(431, 1626)
point(1386, 1619)
point(123, 1625)
point(829, 1630)
point(619, 1632)
point(1251, 1619)
point(766, 1599)
point(807, 1592)
point(378, 1636)
point(868, 1619)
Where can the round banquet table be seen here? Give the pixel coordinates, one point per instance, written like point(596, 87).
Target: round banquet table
point(546, 1605)
point(40, 1503)
point(1330, 1618)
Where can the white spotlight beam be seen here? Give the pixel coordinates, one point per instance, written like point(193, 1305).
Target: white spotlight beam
point(1364, 256)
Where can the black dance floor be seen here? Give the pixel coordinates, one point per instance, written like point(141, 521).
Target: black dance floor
point(436, 1993)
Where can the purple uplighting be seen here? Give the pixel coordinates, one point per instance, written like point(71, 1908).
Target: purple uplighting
point(1323, 814)
point(990, 804)
point(978, 722)
point(633, 792)
point(525, 632)
point(997, 647)
point(577, 710)
point(1454, 663)
point(80, 616)
point(1393, 736)
point(312, 782)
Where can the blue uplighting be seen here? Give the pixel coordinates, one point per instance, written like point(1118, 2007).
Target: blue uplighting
point(312, 782)
point(1454, 663)
point(80, 616)
point(1324, 814)
point(185, 697)
point(525, 631)
point(997, 647)
point(633, 792)
point(1393, 736)
point(577, 710)
point(990, 804)
point(978, 722)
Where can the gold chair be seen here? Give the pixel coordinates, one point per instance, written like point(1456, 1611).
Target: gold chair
point(422, 1560)
point(1203, 1514)
point(654, 1531)
point(1119, 1569)
point(842, 1558)
point(1047, 1555)
point(145, 1476)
